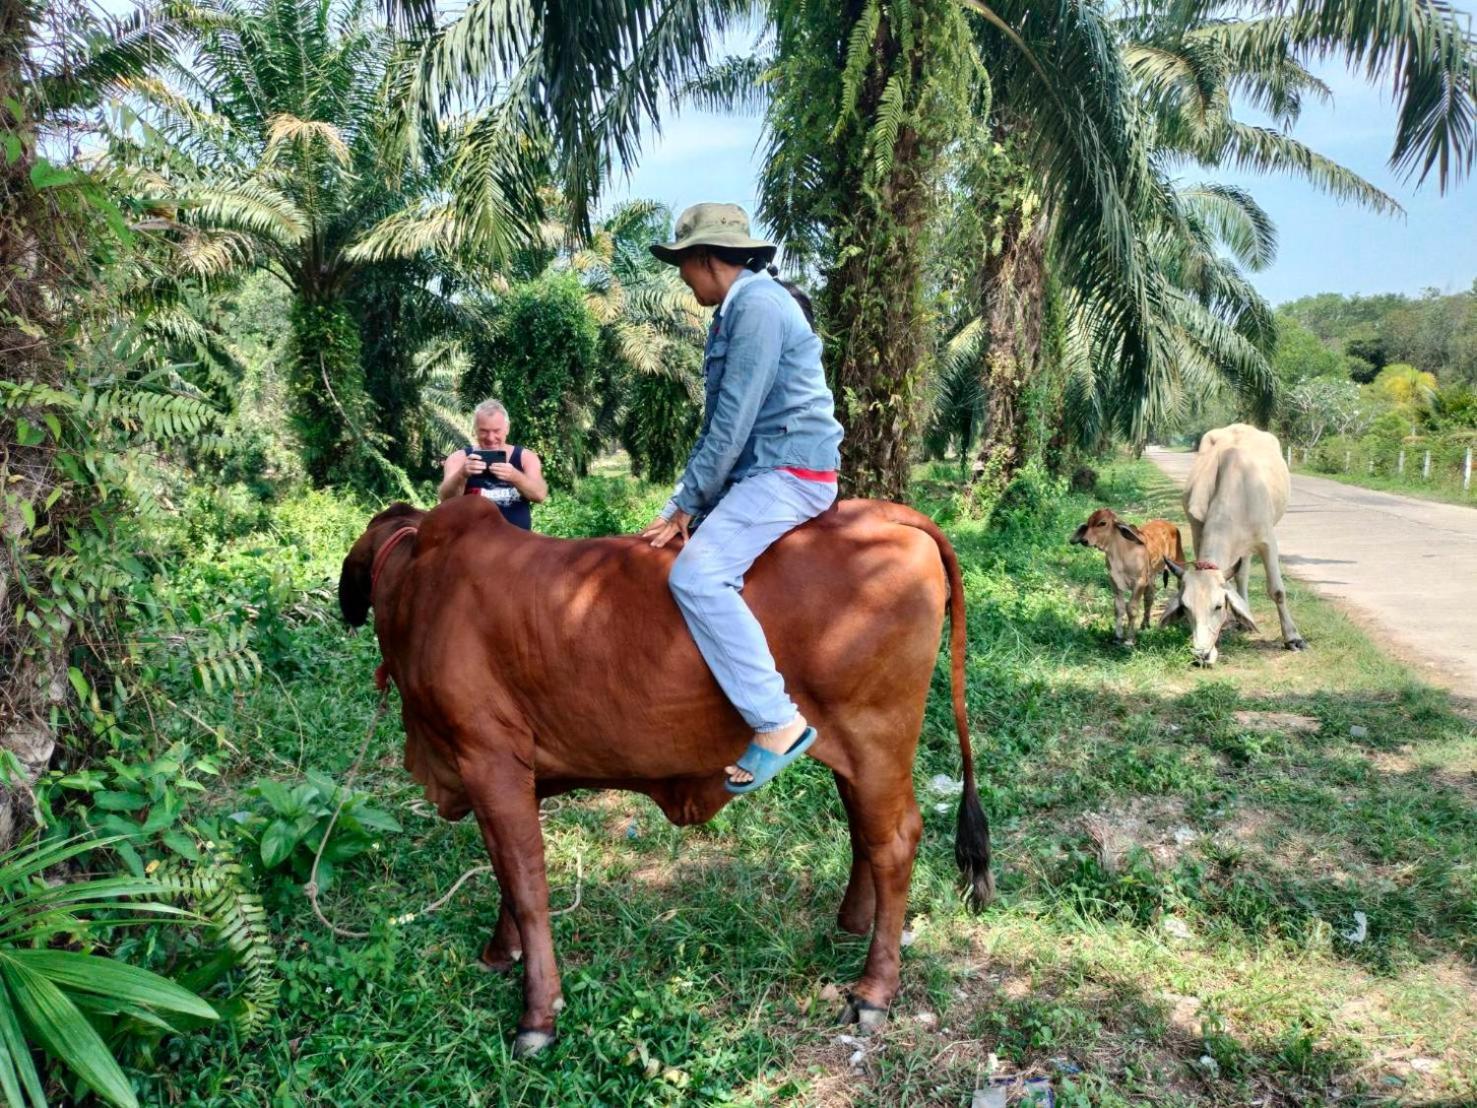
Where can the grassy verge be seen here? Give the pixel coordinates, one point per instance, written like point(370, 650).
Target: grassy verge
point(1181, 859)
point(1440, 492)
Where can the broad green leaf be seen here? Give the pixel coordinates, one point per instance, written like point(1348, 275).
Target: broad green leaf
point(65, 1032)
point(182, 845)
point(44, 175)
point(105, 977)
point(325, 874)
point(276, 794)
point(79, 683)
point(373, 817)
point(277, 842)
point(110, 800)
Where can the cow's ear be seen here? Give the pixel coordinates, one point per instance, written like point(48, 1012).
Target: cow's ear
point(1079, 536)
point(1174, 613)
point(1130, 533)
point(353, 581)
point(1241, 610)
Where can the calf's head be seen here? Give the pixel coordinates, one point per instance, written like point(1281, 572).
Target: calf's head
point(1205, 602)
point(1101, 528)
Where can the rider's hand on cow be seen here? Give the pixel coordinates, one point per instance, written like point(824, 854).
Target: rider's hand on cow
point(661, 531)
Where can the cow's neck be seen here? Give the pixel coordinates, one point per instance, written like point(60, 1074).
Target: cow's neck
point(1219, 546)
point(388, 581)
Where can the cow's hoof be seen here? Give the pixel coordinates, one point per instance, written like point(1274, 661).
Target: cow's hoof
point(867, 1017)
point(1298, 644)
point(528, 1042)
point(498, 961)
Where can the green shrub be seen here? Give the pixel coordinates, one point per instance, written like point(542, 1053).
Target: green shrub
point(289, 825)
point(542, 362)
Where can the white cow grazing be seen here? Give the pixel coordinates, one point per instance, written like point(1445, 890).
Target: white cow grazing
point(1237, 492)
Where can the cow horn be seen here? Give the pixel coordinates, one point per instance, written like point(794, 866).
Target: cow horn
point(1174, 568)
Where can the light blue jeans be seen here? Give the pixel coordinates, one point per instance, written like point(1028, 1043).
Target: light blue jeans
point(709, 574)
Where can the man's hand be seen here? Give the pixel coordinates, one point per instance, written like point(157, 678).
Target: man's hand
point(504, 471)
point(472, 466)
point(661, 531)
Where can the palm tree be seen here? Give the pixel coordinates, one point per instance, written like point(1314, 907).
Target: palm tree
point(60, 227)
point(284, 152)
point(586, 80)
point(1102, 107)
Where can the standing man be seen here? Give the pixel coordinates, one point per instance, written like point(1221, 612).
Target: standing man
point(512, 484)
point(765, 462)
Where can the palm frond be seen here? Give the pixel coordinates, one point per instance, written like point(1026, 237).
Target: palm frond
point(1237, 220)
point(735, 86)
point(1264, 150)
point(284, 128)
point(251, 207)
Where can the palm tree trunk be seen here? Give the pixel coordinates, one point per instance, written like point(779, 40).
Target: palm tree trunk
point(872, 304)
point(327, 385)
point(1013, 294)
point(878, 345)
point(33, 660)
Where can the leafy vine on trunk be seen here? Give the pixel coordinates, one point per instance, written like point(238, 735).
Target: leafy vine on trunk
point(867, 97)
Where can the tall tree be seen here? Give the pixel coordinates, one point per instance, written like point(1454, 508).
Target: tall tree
point(1103, 103)
point(286, 150)
point(866, 96)
point(79, 375)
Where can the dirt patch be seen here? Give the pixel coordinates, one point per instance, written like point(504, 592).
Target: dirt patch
point(1461, 777)
point(1287, 723)
point(1153, 824)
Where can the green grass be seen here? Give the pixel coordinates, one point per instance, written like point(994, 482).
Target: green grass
point(1124, 793)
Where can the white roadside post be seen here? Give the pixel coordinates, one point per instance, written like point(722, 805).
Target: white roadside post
point(1467, 472)
point(1426, 467)
point(1400, 463)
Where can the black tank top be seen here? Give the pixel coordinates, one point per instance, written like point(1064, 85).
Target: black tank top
point(509, 500)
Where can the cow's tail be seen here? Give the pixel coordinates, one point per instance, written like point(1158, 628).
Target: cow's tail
point(972, 828)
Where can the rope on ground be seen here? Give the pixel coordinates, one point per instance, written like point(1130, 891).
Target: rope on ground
point(312, 890)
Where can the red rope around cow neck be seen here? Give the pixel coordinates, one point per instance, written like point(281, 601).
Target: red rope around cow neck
point(384, 552)
point(1206, 565)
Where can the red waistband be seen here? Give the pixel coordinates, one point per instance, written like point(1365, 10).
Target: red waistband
point(828, 475)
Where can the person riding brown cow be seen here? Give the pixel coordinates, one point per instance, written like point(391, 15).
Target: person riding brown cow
point(577, 671)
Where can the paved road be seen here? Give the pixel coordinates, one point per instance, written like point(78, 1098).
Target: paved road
point(1409, 566)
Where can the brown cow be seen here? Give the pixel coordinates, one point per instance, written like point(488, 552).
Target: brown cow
point(529, 666)
point(1135, 555)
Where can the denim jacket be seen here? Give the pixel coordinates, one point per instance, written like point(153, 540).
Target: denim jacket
point(766, 403)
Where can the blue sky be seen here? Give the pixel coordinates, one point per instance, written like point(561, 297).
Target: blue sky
point(1325, 246)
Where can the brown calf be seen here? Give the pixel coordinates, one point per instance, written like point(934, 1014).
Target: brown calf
point(1135, 555)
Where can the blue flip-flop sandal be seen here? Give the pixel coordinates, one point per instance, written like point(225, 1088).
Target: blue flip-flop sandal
point(765, 765)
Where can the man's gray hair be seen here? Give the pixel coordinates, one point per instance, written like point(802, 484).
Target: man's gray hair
point(489, 407)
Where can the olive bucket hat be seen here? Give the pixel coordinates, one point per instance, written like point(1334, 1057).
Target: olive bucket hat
point(725, 225)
